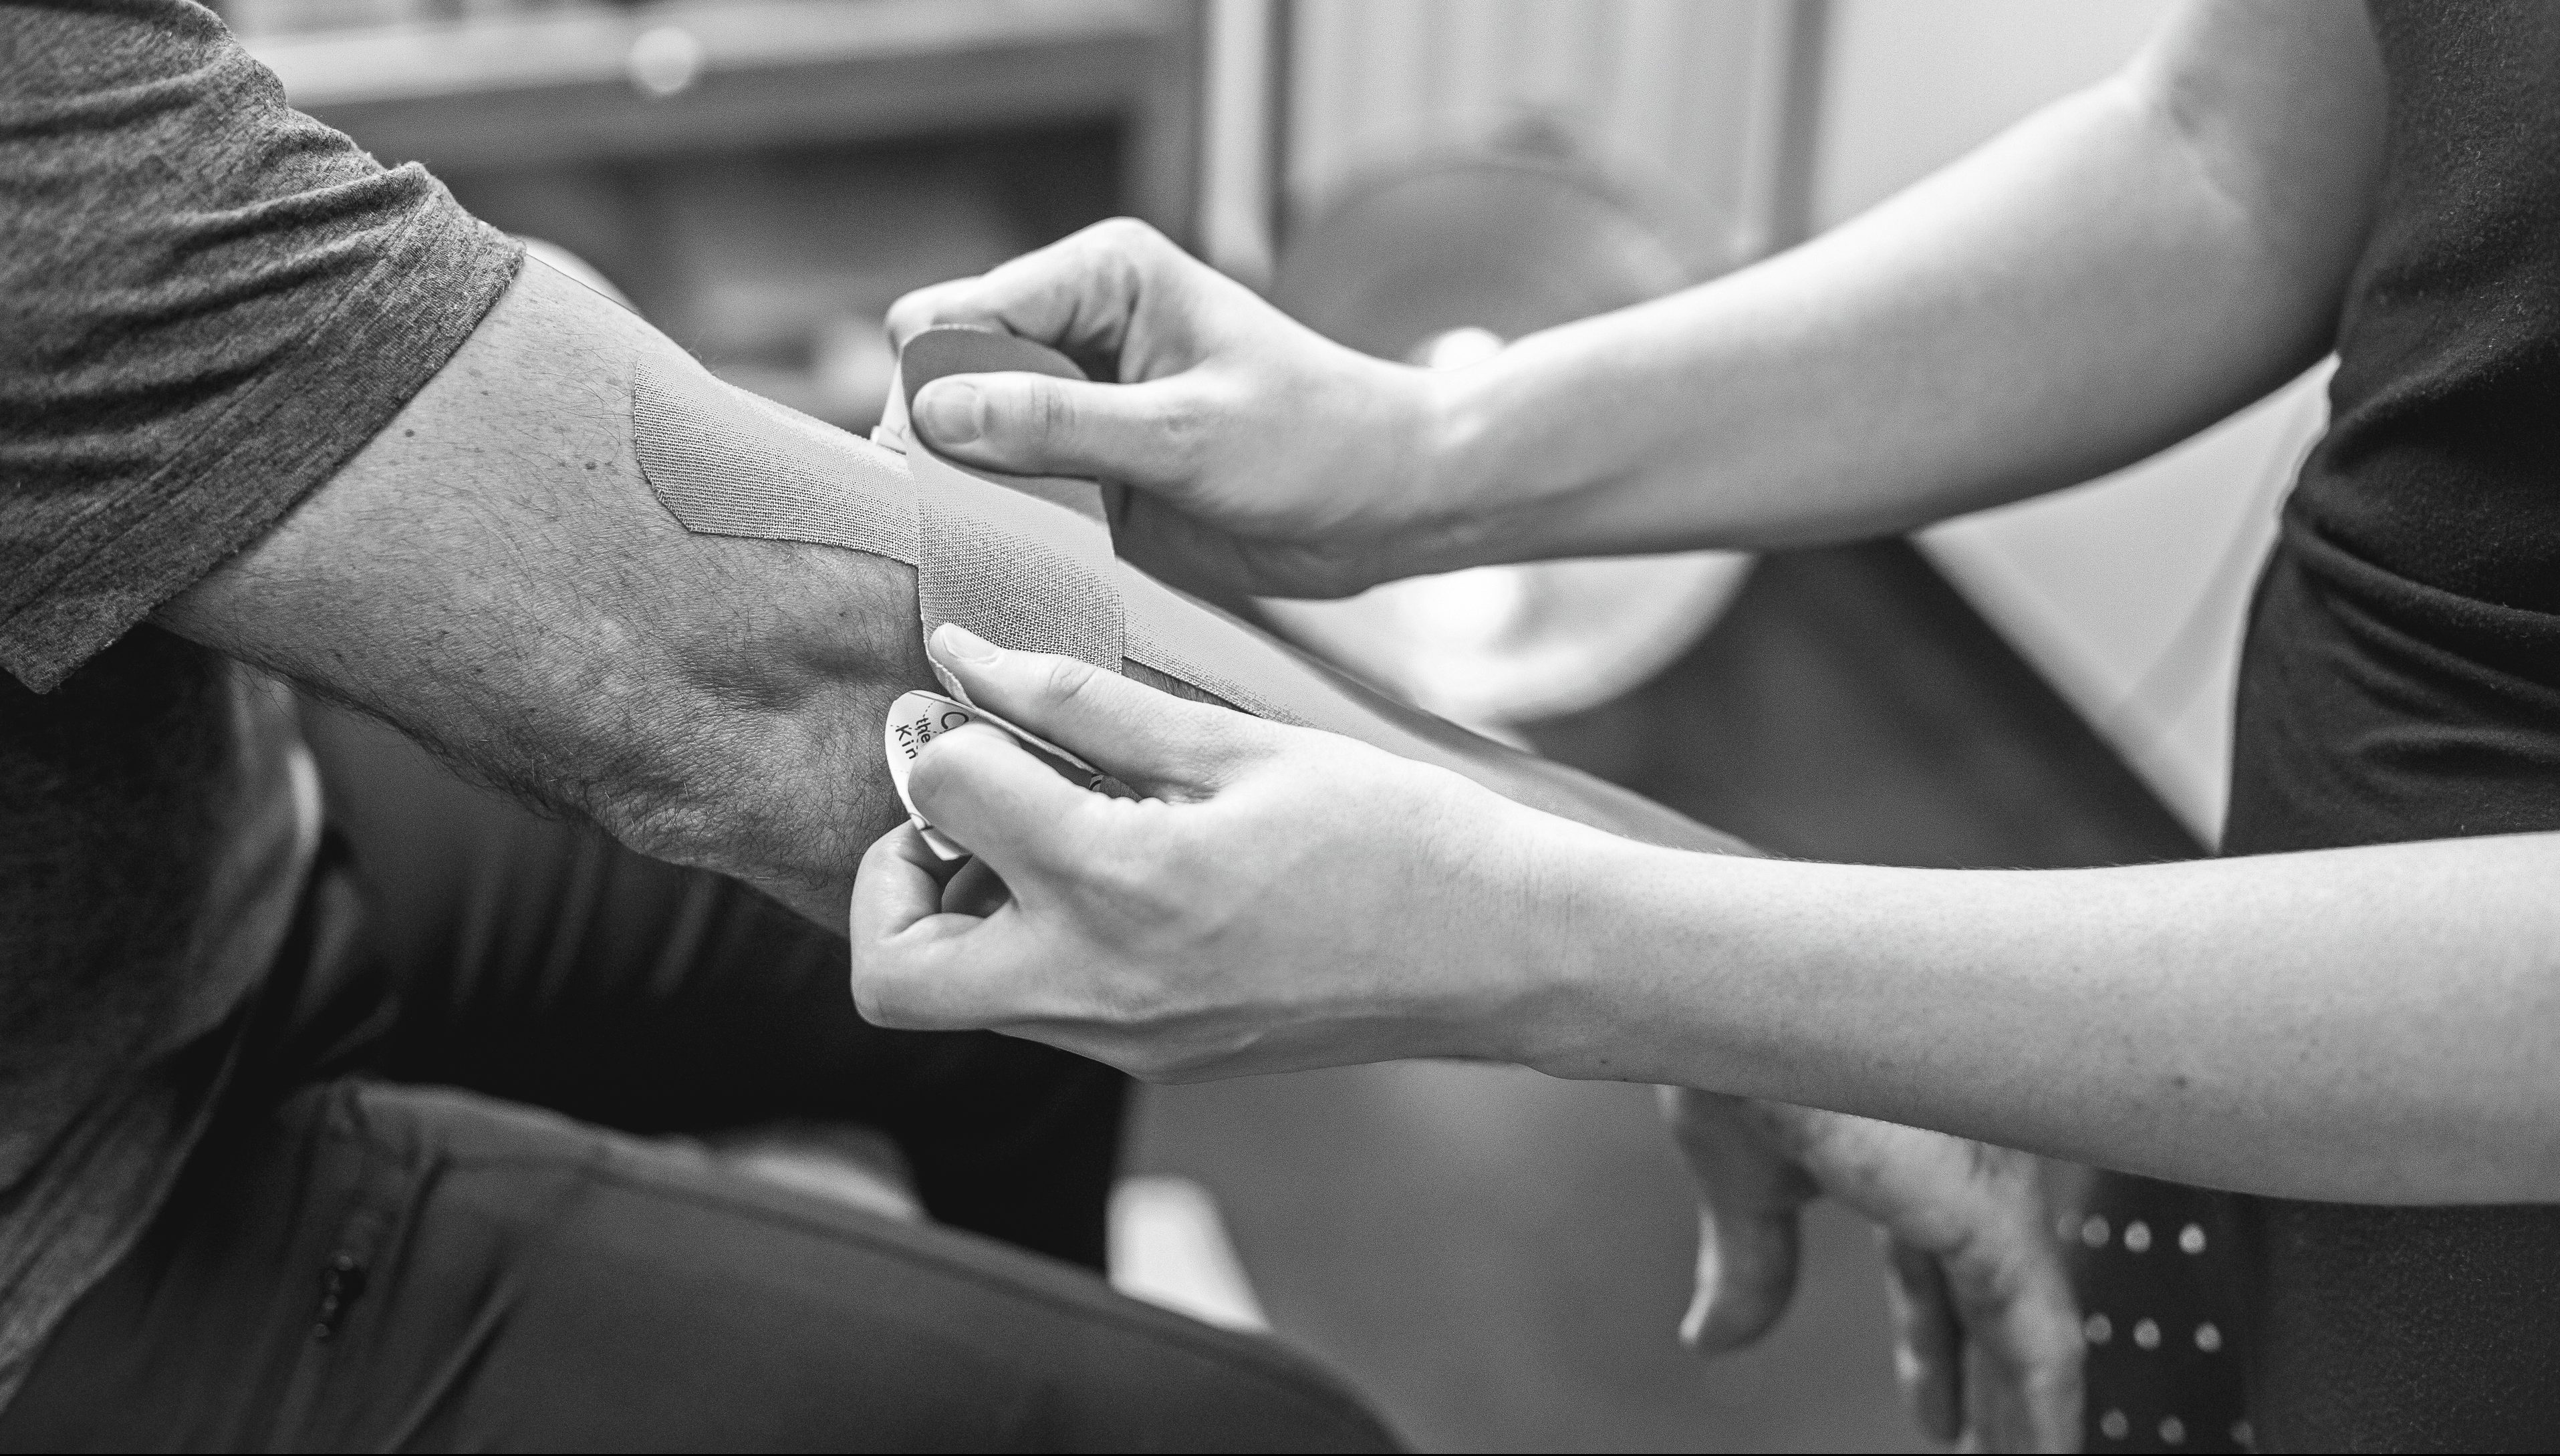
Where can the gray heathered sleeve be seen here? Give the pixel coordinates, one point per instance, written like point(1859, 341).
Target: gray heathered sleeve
point(207, 302)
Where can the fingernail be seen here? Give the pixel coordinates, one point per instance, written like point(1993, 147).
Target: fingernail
point(956, 641)
point(951, 412)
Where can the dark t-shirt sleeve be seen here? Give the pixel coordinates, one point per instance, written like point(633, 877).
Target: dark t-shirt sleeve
point(207, 302)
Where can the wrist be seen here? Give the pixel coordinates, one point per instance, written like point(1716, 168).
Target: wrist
point(1562, 894)
point(1504, 464)
point(1659, 967)
point(1451, 470)
point(1390, 451)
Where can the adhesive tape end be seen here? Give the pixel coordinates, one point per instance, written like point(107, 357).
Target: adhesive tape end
point(941, 843)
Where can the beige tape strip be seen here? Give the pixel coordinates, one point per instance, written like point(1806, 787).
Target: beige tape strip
point(717, 462)
point(1021, 560)
point(1028, 563)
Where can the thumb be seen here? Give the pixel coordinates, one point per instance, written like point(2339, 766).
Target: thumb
point(1034, 424)
point(1928, 1339)
point(917, 970)
point(1154, 742)
point(1746, 1275)
point(1084, 292)
point(979, 787)
point(1749, 1193)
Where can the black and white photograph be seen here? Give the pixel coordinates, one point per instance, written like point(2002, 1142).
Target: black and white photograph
point(1279, 725)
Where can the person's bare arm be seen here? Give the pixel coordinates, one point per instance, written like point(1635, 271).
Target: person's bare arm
point(492, 574)
point(2112, 274)
point(2372, 1025)
point(2108, 276)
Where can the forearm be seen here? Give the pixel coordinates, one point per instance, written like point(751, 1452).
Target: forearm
point(492, 574)
point(2113, 274)
point(2370, 1024)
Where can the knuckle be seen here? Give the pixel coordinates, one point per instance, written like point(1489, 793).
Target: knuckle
point(1052, 410)
point(1124, 258)
point(910, 315)
point(1130, 873)
point(875, 1002)
point(1184, 428)
point(939, 303)
point(1127, 235)
point(867, 1003)
point(1987, 1281)
point(1065, 680)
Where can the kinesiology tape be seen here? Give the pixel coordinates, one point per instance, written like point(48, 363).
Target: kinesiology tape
point(1027, 562)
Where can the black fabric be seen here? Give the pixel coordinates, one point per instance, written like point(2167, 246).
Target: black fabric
point(357, 1258)
point(2437, 471)
point(378, 1267)
point(2401, 681)
point(534, 960)
point(2152, 1266)
point(369, 1266)
point(2391, 1328)
point(115, 802)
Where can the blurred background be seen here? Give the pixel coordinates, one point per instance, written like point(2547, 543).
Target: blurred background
point(1498, 1258)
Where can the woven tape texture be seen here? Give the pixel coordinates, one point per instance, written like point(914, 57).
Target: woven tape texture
point(1024, 563)
point(1012, 589)
point(727, 464)
point(1025, 569)
point(1029, 564)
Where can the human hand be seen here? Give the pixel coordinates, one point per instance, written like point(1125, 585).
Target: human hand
point(1266, 457)
point(1987, 1335)
point(1286, 899)
point(1279, 899)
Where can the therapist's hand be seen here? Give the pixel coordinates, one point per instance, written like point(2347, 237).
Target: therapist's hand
point(1281, 899)
point(1285, 899)
point(1987, 1340)
point(1268, 458)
